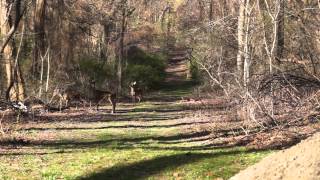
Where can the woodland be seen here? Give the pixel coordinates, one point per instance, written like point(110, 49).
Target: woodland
point(154, 89)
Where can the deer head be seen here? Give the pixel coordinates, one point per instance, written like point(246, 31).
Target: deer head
point(92, 83)
point(132, 84)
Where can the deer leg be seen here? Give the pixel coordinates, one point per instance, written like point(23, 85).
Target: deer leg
point(113, 103)
point(114, 107)
point(67, 102)
point(60, 103)
point(84, 103)
point(133, 99)
point(98, 106)
point(99, 103)
point(101, 100)
point(110, 100)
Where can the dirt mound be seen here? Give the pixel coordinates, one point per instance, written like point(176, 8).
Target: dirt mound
point(299, 162)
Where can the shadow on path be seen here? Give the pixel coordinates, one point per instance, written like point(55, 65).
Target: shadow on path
point(117, 143)
point(116, 127)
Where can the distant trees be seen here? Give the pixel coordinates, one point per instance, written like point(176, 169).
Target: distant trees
point(252, 35)
point(233, 41)
point(243, 45)
point(61, 36)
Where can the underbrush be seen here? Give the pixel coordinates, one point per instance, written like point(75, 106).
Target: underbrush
point(268, 118)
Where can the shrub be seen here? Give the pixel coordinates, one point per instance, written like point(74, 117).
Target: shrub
point(147, 69)
point(94, 69)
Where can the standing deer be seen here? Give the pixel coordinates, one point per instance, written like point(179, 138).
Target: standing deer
point(58, 92)
point(100, 95)
point(66, 95)
point(71, 94)
point(135, 92)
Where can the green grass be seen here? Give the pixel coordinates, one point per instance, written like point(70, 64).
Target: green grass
point(125, 155)
point(138, 144)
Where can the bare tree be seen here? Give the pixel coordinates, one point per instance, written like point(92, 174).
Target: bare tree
point(244, 36)
point(241, 32)
point(280, 30)
point(125, 12)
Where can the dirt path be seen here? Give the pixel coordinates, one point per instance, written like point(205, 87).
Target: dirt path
point(299, 162)
point(177, 69)
point(155, 139)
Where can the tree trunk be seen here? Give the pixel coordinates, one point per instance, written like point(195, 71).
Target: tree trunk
point(280, 31)
point(105, 39)
point(59, 35)
point(241, 31)
point(7, 52)
point(246, 45)
point(39, 39)
point(201, 10)
point(211, 10)
point(121, 49)
point(9, 22)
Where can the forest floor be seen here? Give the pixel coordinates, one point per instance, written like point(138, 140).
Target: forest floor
point(170, 135)
point(155, 139)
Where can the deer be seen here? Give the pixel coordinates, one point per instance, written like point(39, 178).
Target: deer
point(135, 92)
point(70, 94)
point(101, 95)
point(57, 92)
point(66, 95)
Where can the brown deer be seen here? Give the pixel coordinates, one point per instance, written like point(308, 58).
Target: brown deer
point(99, 96)
point(66, 95)
point(58, 92)
point(135, 92)
point(70, 94)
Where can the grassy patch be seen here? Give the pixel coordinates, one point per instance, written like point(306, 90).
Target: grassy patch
point(123, 154)
point(149, 142)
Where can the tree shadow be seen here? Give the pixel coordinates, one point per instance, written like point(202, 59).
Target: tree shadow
point(147, 168)
point(119, 143)
point(115, 127)
point(99, 117)
point(34, 153)
point(178, 142)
